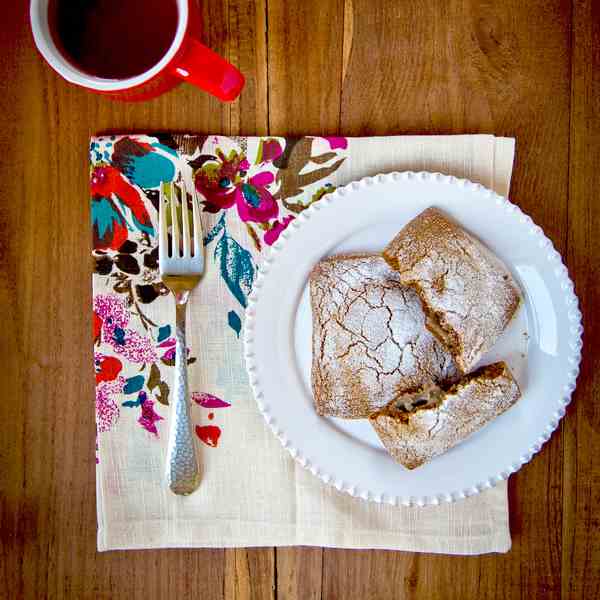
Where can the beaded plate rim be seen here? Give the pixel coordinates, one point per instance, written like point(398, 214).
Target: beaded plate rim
point(560, 272)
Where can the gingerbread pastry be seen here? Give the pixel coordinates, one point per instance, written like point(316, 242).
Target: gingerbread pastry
point(369, 337)
point(429, 420)
point(468, 295)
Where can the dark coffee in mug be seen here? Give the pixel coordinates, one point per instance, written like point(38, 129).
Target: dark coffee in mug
point(113, 39)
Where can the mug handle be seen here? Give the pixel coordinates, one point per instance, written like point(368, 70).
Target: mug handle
point(204, 68)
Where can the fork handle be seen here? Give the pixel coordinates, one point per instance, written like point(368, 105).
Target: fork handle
point(183, 476)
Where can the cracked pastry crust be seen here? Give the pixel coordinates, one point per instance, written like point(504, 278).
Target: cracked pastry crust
point(369, 337)
point(429, 420)
point(468, 294)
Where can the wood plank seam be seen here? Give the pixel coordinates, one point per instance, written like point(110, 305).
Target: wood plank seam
point(267, 71)
point(566, 547)
point(323, 557)
point(275, 576)
point(347, 32)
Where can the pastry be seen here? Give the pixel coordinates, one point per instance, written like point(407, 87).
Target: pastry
point(430, 419)
point(468, 295)
point(369, 337)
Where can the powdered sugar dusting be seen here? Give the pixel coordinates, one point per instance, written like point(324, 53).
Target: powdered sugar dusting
point(369, 337)
point(459, 279)
point(417, 437)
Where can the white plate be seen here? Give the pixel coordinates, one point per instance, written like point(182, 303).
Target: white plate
point(542, 345)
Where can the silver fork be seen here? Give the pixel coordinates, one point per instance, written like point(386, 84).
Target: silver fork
point(180, 270)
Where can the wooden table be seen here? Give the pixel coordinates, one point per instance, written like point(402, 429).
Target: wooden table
point(523, 68)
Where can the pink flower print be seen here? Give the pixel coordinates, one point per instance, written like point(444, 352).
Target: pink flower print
point(272, 235)
point(169, 356)
point(269, 150)
point(170, 346)
point(217, 178)
point(224, 182)
point(126, 343)
point(337, 142)
point(107, 409)
point(113, 312)
point(149, 417)
point(170, 349)
point(208, 400)
point(254, 202)
point(132, 346)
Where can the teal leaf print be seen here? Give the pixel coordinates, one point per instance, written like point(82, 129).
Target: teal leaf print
point(237, 267)
point(166, 149)
point(131, 403)
point(234, 322)
point(142, 397)
point(164, 332)
point(105, 217)
point(141, 164)
point(134, 384)
point(214, 232)
point(150, 170)
point(119, 336)
point(251, 195)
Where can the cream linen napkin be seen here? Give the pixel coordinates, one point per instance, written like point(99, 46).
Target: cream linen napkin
point(252, 492)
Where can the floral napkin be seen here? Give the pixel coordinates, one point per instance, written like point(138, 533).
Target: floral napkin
point(252, 492)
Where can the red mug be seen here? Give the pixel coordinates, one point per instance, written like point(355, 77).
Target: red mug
point(187, 59)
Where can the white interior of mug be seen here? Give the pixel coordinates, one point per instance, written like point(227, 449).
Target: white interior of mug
point(45, 43)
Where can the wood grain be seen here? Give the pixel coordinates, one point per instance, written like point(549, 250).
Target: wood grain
point(299, 573)
point(581, 490)
point(304, 64)
point(525, 69)
point(247, 48)
point(472, 67)
point(48, 516)
point(250, 574)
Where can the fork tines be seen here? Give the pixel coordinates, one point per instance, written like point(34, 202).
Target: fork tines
point(185, 243)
